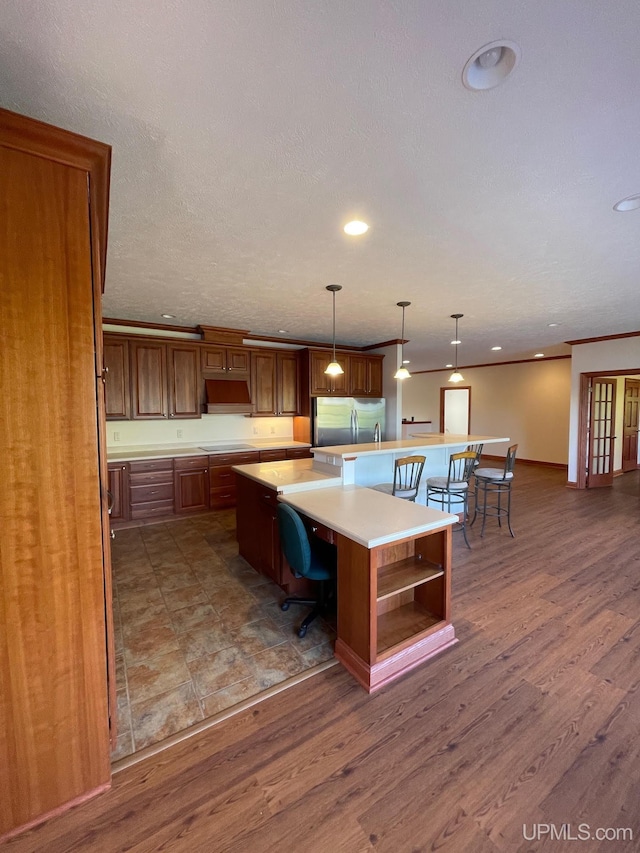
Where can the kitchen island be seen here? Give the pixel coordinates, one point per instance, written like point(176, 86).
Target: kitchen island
point(369, 464)
point(394, 564)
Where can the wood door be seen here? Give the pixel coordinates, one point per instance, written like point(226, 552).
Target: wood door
point(214, 359)
point(601, 437)
point(54, 714)
point(191, 490)
point(148, 380)
point(263, 382)
point(238, 362)
point(288, 383)
point(631, 424)
point(185, 382)
point(116, 380)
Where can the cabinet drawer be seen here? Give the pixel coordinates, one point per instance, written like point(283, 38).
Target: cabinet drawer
point(151, 465)
point(272, 455)
point(191, 462)
point(151, 478)
point(322, 532)
point(299, 453)
point(222, 496)
point(153, 492)
point(268, 496)
point(221, 477)
point(151, 508)
point(233, 459)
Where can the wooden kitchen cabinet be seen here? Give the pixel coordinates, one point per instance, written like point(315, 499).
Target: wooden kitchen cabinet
point(165, 380)
point(321, 384)
point(184, 381)
point(232, 362)
point(148, 380)
point(117, 391)
point(222, 479)
point(257, 528)
point(364, 375)
point(118, 473)
point(56, 663)
point(191, 484)
point(151, 488)
point(275, 383)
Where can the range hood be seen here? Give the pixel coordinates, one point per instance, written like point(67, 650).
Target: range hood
point(228, 396)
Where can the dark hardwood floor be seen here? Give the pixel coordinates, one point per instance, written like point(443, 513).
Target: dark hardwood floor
point(530, 721)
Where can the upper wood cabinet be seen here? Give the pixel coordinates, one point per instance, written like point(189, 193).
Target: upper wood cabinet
point(364, 375)
point(229, 361)
point(320, 384)
point(116, 378)
point(165, 380)
point(275, 383)
point(184, 381)
point(149, 380)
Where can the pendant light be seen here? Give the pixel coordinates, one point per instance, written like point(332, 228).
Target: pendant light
point(334, 369)
point(402, 372)
point(455, 376)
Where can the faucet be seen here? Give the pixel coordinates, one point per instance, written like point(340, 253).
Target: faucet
point(376, 432)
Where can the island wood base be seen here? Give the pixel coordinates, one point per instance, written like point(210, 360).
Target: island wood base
point(373, 677)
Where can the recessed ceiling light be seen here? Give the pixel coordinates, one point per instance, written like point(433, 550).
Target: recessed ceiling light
point(490, 65)
point(539, 355)
point(406, 361)
point(495, 349)
point(551, 325)
point(631, 202)
point(455, 343)
point(448, 365)
point(283, 331)
point(356, 228)
point(168, 316)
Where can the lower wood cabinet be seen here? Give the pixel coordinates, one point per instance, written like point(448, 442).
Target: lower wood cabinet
point(257, 528)
point(118, 487)
point(191, 484)
point(151, 489)
point(222, 480)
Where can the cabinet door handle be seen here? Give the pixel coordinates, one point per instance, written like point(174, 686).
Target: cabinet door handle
point(225, 496)
point(113, 534)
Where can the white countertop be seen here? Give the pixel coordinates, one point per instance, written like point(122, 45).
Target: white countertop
point(368, 517)
point(292, 475)
point(417, 442)
point(165, 451)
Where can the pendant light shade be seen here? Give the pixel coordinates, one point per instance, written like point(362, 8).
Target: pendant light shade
point(333, 368)
point(456, 376)
point(402, 372)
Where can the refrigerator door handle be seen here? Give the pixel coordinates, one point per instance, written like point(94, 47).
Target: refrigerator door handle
point(356, 425)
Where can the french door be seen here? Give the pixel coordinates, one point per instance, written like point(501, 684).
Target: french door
point(601, 437)
point(631, 424)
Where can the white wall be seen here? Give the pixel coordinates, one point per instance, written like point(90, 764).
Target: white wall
point(197, 430)
point(392, 390)
point(600, 356)
point(528, 401)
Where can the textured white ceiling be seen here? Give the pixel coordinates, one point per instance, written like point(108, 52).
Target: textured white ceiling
point(246, 132)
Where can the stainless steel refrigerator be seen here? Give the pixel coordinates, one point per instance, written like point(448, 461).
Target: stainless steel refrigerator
point(347, 420)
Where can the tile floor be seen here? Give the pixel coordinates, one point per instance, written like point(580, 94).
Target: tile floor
point(197, 630)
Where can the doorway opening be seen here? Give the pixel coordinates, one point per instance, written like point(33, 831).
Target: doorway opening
point(608, 424)
point(455, 410)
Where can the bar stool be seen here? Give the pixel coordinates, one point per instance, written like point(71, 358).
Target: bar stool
point(451, 493)
point(406, 478)
point(495, 482)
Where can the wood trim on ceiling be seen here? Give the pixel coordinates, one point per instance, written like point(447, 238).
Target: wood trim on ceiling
point(493, 364)
point(603, 338)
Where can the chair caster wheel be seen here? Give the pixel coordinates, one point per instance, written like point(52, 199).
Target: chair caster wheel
point(284, 605)
point(302, 632)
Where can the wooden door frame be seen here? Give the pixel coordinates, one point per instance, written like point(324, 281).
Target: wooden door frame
point(443, 389)
point(586, 381)
point(628, 379)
